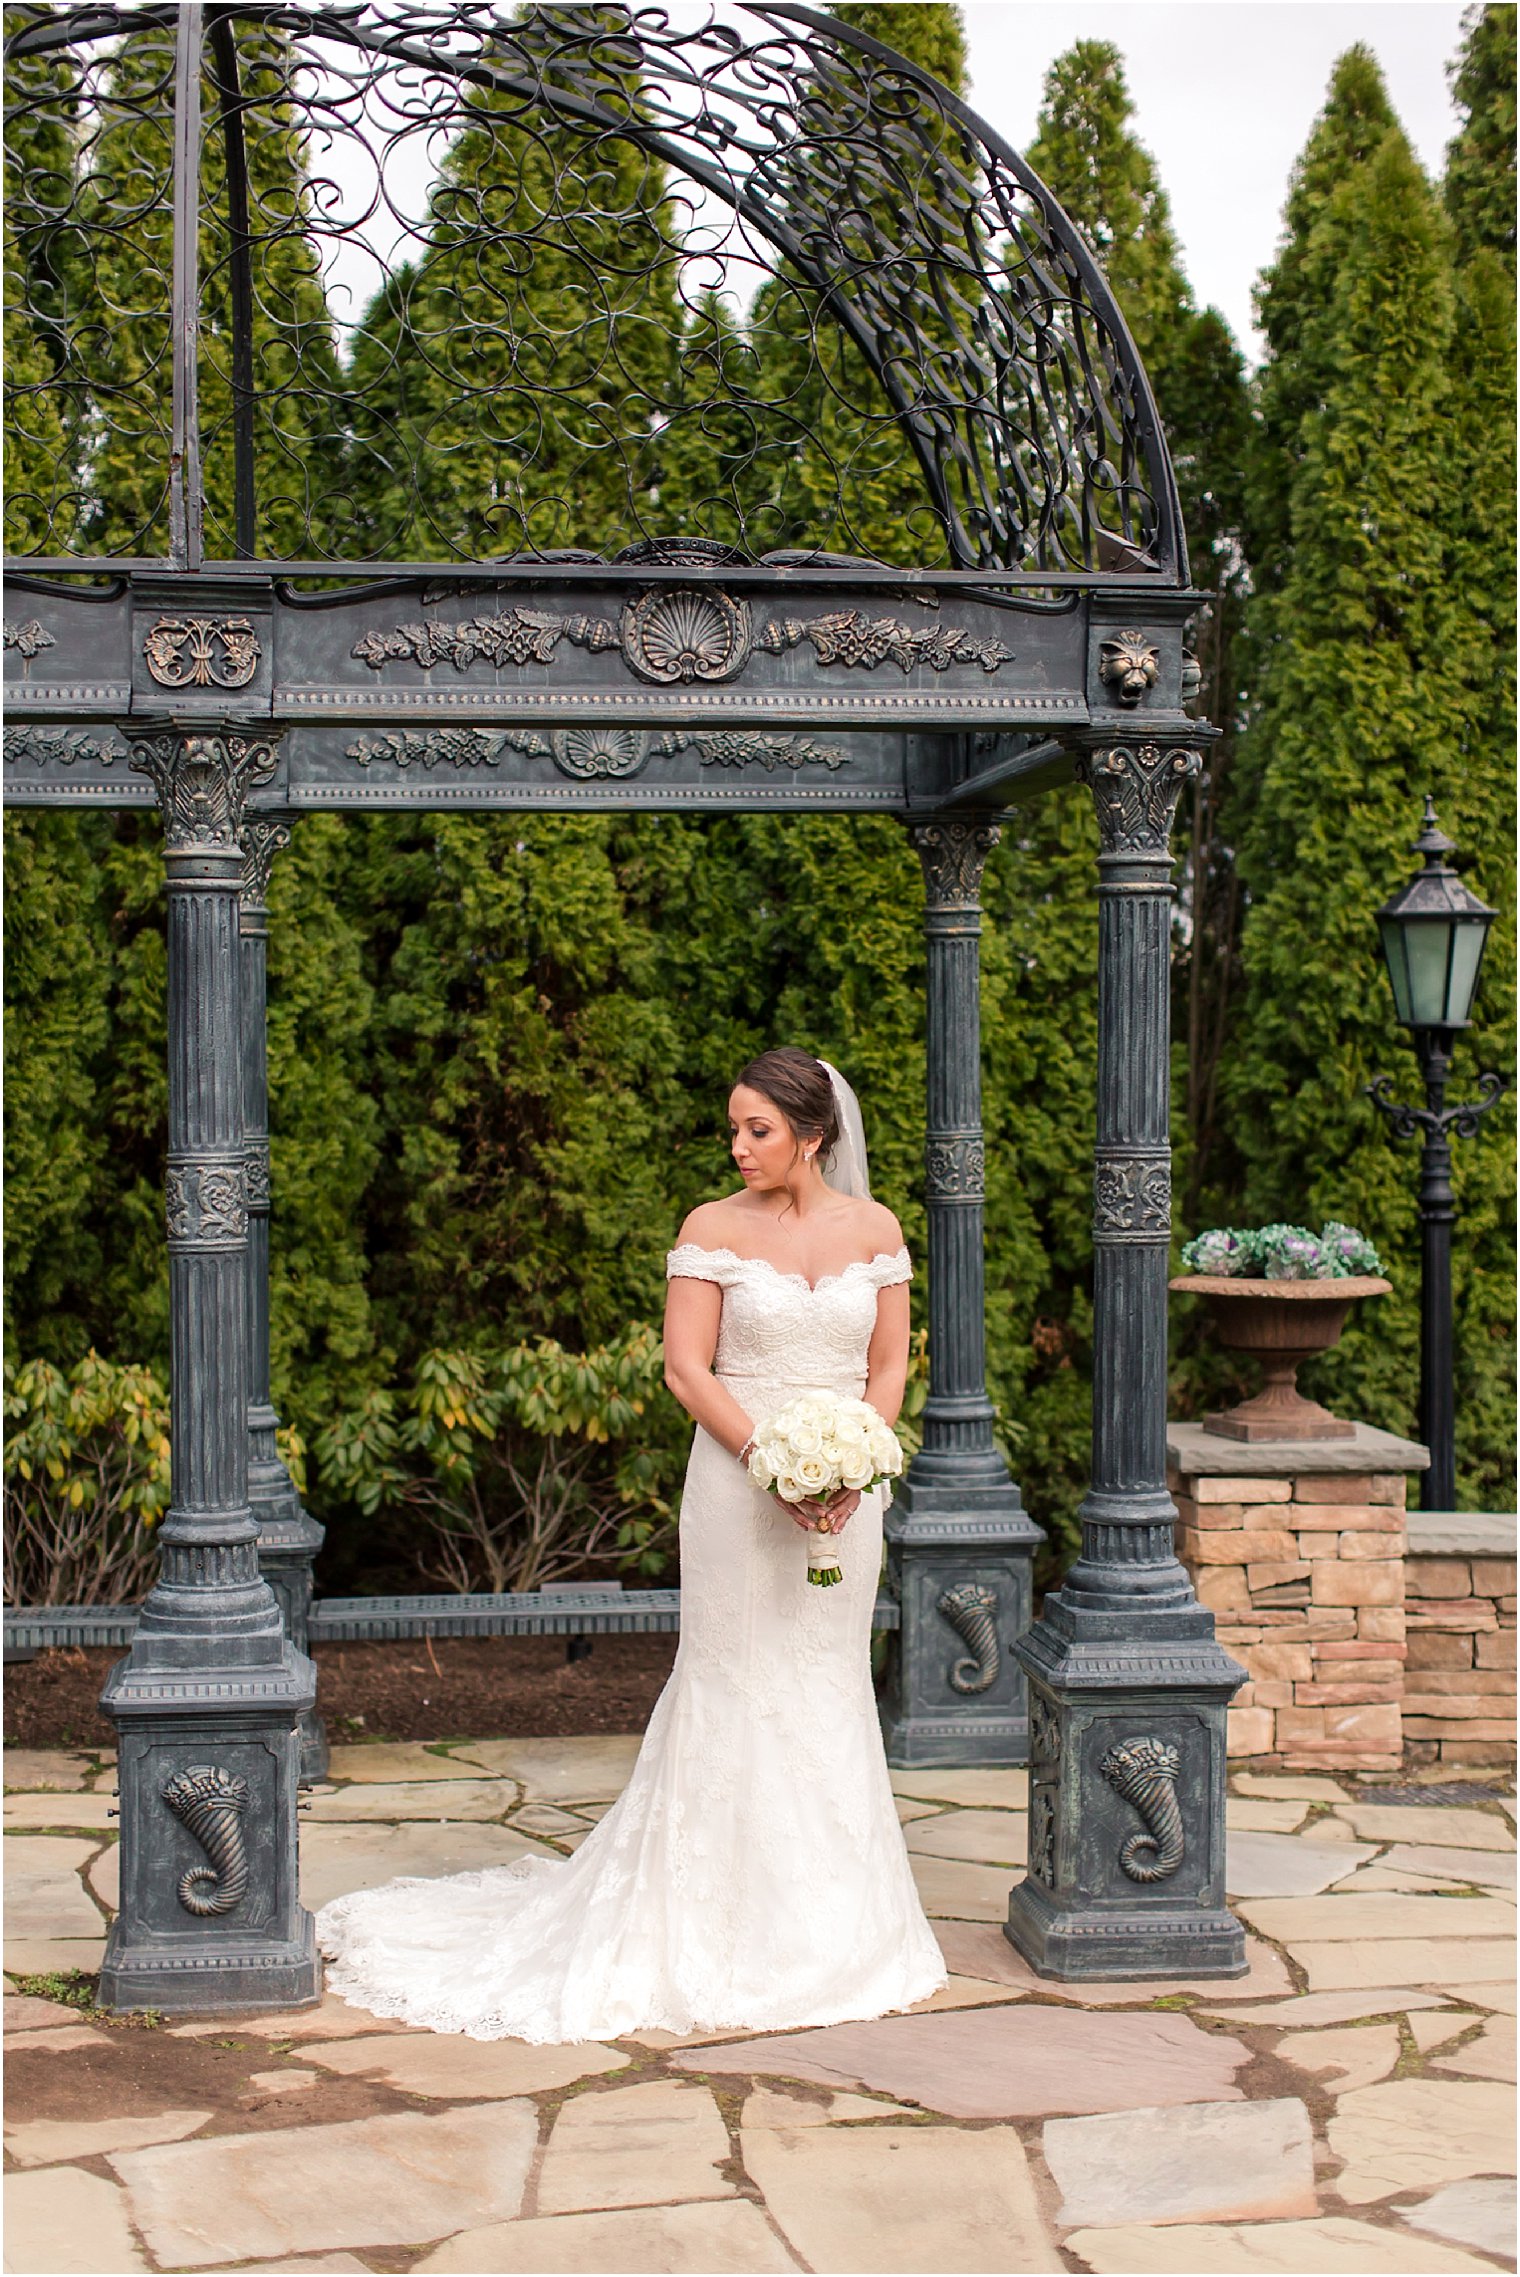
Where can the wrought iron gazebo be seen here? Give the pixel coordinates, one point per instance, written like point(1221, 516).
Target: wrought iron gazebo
point(726, 420)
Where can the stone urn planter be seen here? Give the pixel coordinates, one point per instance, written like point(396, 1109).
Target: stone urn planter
point(1280, 1323)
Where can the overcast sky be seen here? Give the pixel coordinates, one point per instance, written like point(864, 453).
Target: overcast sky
point(1225, 93)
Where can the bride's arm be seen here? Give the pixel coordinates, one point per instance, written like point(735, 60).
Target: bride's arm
point(691, 1339)
point(887, 1360)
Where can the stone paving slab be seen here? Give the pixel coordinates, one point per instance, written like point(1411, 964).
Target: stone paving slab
point(1300, 1786)
point(1329, 2247)
point(1491, 2055)
point(49, 2142)
point(718, 2239)
point(1408, 2134)
point(94, 1814)
point(952, 1889)
point(1379, 1877)
point(1469, 2213)
point(24, 2012)
point(659, 2140)
point(414, 1799)
point(1322, 1919)
point(989, 1838)
point(50, 1956)
point(997, 1790)
point(60, 2039)
point(1351, 2057)
point(331, 2019)
point(1264, 1865)
point(776, 2107)
point(44, 1896)
point(1444, 1962)
point(1430, 2031)
point(65, 1770)
point(1022, 2062)
point(1482, 1993)
point(401, 2180)
point(304, 2265)
point(337, 1859)
point(1441, 1822)
point(384, 1762)
point(889, 2199)
point(59, 2219)
point(1489, 1869)
point(1259, 1816)
point(974, 1949)
point(558, 1770)
point(454, 2068)
point(1332, 2007)
point(1208, 2162)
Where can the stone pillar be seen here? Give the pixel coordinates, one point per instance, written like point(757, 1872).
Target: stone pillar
point(960, 1545)
point(1297, 1548)
point(289, 1538)
point(1128, 1687)
point(207, 1703)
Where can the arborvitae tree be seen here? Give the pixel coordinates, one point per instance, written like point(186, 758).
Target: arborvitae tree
point(1367, 649)
point(1480, 165)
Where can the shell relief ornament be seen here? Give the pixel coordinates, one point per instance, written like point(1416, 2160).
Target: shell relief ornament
point(673, 635)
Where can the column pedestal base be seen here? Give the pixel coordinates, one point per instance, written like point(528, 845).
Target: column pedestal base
point(289, 1539)
point(1126, 1805)
point(211, 1918)
point(959, 1562)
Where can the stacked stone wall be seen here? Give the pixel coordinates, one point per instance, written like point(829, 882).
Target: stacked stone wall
point(1459, 1686)
point(1305, 1577)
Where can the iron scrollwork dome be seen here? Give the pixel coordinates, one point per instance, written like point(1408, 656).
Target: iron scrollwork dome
point(287, 367)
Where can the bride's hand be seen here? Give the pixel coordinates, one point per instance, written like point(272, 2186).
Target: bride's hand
point(840, 1508)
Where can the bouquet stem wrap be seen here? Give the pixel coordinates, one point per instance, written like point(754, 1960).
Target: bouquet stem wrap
point(812, 1448)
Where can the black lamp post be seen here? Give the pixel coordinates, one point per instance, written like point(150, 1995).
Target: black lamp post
point(1433, 933)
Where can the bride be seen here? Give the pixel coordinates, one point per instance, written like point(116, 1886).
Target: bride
point(753, 1875)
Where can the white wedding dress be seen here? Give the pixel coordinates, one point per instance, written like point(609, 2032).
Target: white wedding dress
point(753, 1875)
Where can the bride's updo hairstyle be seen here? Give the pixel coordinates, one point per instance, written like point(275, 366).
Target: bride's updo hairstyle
point(796, 1086)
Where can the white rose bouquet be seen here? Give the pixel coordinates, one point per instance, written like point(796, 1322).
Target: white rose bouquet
point(816, 1445)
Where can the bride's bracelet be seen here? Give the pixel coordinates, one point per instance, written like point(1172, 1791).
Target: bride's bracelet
point(748, 1448)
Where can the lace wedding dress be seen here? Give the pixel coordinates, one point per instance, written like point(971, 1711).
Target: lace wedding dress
point(753, 1874)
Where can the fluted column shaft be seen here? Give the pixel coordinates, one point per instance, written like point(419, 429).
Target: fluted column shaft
point(958, 1414)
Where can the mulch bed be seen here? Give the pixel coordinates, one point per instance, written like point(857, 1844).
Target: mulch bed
point(444, 1688)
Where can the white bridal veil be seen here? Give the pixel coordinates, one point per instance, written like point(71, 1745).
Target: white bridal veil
point(846, 1169)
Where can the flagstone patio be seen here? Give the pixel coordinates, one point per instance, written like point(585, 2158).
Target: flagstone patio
point(1347, 2106)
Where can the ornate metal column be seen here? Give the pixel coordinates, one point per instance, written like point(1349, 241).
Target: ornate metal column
point(206, 1704)
point(960, 1546)
point(289, 1538)
point(1128, 1687)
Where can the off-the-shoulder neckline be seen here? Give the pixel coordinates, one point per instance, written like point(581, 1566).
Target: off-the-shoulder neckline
point(856, 1264)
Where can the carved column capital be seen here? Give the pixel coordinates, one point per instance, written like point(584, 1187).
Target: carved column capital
point(1136, 787)
point(953, 852)
point(261, 837)
point(202, 777)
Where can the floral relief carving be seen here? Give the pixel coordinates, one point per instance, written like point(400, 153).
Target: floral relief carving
point(1135, 789)
point(955, 1169)
point(202, 782)
point(589, 752)
point(59, 747)
point(28, 640)
point(738, 747)
point(516, 636)
point(262, 837)
point(202, 652)
point(850, 638)
point(954, 855)
point(205, 1204)
point(1133, 1195)
point(1042, 1836)
point(1044, 1731)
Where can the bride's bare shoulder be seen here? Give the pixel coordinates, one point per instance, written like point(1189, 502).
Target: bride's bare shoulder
point(713, 1225)
point(877, 1227)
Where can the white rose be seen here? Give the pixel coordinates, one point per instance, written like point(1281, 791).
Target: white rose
point(858, 1471)
point(761, 1469)
point(776, 1453)
point(812, 1474)
point(790, 1489)
point(806, 1435)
